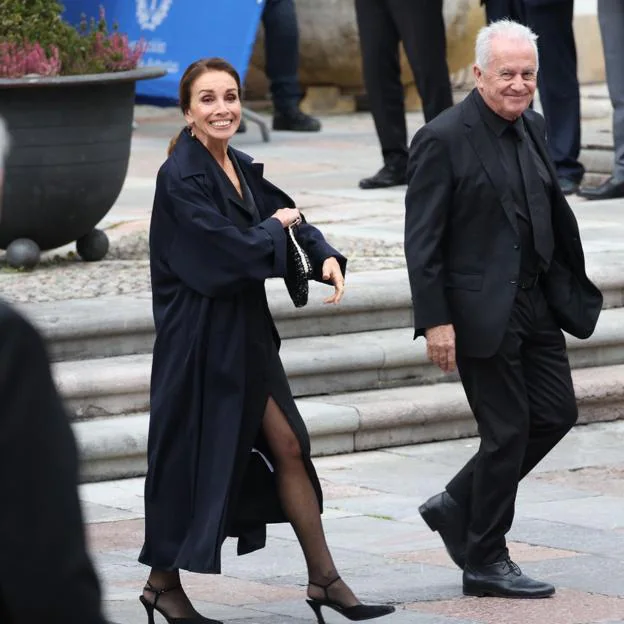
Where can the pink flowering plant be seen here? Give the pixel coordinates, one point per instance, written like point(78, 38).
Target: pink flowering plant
point(21, 59)
point(35, 40)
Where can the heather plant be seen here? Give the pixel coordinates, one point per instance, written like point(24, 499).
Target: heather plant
point(36, 40)
point(17, 60)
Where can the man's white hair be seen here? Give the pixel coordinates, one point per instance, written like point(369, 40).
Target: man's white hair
point(506, 29)
point(4, 143)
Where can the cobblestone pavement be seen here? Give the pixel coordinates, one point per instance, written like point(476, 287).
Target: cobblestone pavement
point(569, 530)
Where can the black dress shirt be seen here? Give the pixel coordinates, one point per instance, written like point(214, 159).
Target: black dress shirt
point(506, 135)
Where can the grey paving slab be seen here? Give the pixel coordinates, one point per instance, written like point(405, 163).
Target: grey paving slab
point(595, 512)
point(377, 505)
point(105, 513)
point(600, 575)
point(401, 616)
point(534, 492)
point(427, 618)
point(398, 583)
point(269, 619)
point(132, 611)
point(587, 446)
point(370, 534)
point(127, 494)
point(409, 476)
point(569, 536)
point(283, 558)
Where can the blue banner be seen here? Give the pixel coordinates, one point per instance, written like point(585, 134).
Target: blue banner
point(179, 32)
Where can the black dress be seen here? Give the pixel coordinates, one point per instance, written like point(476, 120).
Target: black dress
point(216, 363)
point(265, 378)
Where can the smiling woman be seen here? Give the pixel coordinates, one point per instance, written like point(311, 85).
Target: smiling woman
point(189, 90)
point(228, 451)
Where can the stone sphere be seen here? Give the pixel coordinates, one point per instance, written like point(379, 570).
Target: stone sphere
point(93, 246)
point(23, 253)
point(330, 49)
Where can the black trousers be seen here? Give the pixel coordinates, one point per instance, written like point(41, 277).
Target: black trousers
point(419, 24)
point(557, 79)
point(281, 47)
point(524, 403)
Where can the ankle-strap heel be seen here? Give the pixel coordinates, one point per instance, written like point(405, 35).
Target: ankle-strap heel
point(150, 607)
point(354, 613)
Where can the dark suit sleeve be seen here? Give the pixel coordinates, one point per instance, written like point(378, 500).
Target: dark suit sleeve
point(45, 572)
point(427, 204)
point(213, 256)
point(318, 250)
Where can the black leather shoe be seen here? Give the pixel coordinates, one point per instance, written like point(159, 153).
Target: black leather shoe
point(295, 121)
point(568, 186)
point(503, 579)
point(607, 190)
point(444, 515)
point(388, 175)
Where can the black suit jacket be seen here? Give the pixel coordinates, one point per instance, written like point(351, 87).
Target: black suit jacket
point(45, 572)
point(462, 242)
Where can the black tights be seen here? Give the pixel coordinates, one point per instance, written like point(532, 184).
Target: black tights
point(300, 504)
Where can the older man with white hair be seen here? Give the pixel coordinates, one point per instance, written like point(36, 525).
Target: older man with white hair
point(45, 572)
point(497, 271)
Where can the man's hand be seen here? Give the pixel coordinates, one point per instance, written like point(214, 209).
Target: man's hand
point(333, 274)
point(441, 346)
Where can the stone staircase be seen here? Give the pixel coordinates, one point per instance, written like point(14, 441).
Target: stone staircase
point(360, 380)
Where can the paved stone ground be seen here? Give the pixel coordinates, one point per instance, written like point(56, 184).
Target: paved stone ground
point(569, 530)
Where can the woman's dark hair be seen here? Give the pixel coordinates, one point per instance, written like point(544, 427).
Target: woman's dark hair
point(192, 73)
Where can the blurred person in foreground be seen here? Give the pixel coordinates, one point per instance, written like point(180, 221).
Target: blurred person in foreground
point(228, 451)
point(46, 575)
point(552, 21)
point(611, 19)
point(497, 271)
point(419, 25)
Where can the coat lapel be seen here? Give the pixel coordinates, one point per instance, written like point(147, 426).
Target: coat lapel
point(543, 152)
point(485, 149)
point(268, 197)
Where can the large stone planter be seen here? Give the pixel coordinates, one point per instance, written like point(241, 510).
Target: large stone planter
point(329, 44)
point(70, 140)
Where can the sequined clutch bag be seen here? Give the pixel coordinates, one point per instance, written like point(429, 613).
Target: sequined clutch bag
point(298, 269)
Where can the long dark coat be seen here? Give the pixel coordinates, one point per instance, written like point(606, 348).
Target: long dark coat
point(215, 359)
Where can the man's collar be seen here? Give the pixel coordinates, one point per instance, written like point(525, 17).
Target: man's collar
point(496, 123)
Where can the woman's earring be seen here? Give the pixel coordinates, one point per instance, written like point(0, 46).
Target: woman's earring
point(191, 131)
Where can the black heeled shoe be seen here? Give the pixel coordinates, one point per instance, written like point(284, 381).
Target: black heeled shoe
point(354, 613)
point(151, 606)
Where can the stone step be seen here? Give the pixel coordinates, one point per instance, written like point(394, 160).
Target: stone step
point(375, 300)
point(115, 447)
point(123, 325)
point(317, 365)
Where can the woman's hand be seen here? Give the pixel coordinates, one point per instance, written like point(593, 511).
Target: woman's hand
point(333, 274)
point(287, 216)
